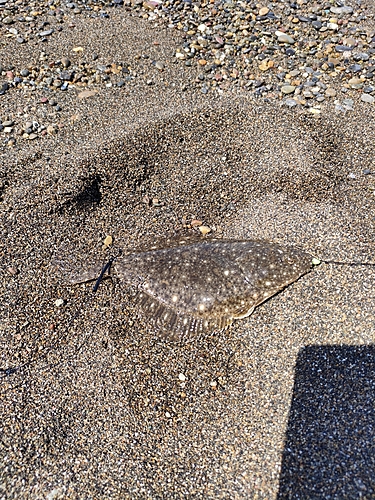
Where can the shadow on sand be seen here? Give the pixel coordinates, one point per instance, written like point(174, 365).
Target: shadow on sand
point(330, 441)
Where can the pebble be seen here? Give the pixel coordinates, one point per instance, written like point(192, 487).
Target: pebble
point(288, 89)
point(284, 38)
point(59, 302)
point(45, 33)
point(159, 65)
point(52, 129)
point(232, 44)
point(367, 98)
point(87, 93)
point(348, 104)
point(65, 62)
point(290, 103)
point(182, 377)
point(12, 270)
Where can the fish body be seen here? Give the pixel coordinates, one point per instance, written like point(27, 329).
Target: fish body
point(192, 286)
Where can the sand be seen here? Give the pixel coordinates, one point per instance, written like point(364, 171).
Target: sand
point(93, 403)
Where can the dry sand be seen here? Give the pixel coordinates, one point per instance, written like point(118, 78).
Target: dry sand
point(93, 404)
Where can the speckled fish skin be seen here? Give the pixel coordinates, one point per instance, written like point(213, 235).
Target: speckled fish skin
point(194, 287)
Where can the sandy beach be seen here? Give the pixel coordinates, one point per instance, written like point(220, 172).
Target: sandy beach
point(135, 144)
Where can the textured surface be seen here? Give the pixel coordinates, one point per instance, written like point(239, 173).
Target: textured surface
point(199, 286)
point(103, 408)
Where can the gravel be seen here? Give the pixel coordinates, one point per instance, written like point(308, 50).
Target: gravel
point(94, 403)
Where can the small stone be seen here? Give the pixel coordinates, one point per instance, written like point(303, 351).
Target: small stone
point(346, 9)
point(182, 377)
point(45, 33)
point(284, 38)
point(355, 83)
point(65, 62)
point(8, 20)
point(330, 92)
point(8, 123)
point(159, 65)
point(12, 270)
point(315, 261)
point(67, 75)
point(108, 241)
point(24, 72)
point(348, 104)
point(290, 103)
point(87, 93)
point(52, 129)
point(367, 171)
point(355, 68)
point(288, 89)
point(343, 48)
point(19, 39)
point(352, 176)
point(59, 302)
point(204, 230)
point(264, 11)
point(317, 24)
point(8, 130)
point(367, 98)
point(32, 137)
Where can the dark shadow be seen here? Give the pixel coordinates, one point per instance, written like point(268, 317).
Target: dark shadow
point(330, 441)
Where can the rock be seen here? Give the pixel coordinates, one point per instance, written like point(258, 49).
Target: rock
point(263, 11)
point(8, 123)
point(65, 62)
point(355, 83)
point(290, 103)
point(317, 24)
point(284, 38)
point(288, 89)
point(67, 75)
point(345, 9)
point(87, 93)
point(159, 65)
point(24, 72)
point(367, 98)
point(4, 87)
point(204, 230)
point(330, 92)
point(348, 104)
point(8, 20)
point(45, 33)
point(52, 129)
point(355, 68)
point(343, 48)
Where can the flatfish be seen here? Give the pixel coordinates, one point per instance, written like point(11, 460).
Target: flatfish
point(195, 285)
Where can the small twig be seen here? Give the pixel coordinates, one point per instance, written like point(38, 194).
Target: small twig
point(106, 268)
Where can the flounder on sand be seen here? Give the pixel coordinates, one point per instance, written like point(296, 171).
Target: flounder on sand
point(192, 286)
